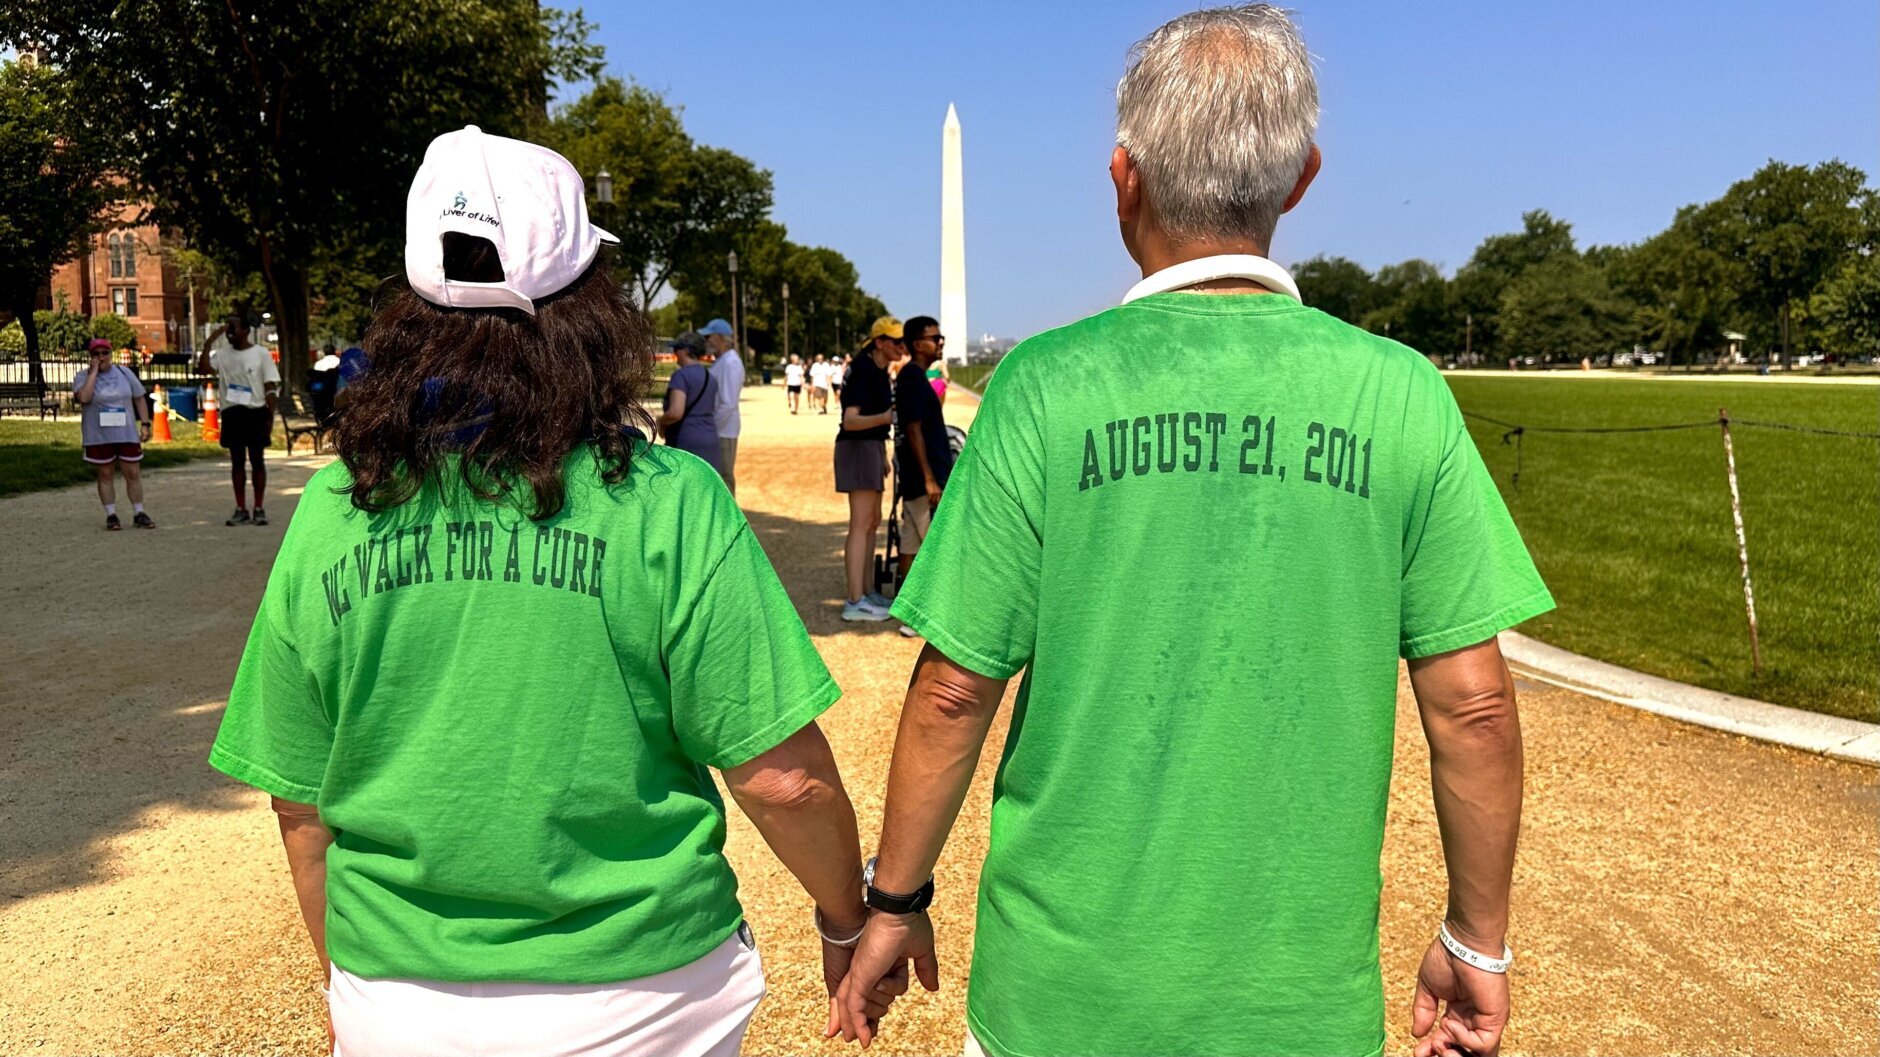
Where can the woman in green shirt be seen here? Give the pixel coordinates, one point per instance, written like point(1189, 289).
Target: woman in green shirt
point(502, 644)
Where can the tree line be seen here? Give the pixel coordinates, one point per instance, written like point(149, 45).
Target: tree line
point(280, 136)
point(1789, 258)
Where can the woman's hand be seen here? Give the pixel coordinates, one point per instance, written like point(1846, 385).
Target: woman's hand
point(878, 969)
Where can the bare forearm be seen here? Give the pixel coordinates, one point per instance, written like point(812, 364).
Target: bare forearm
point(306, 839)
point(1476, 777)
point(793, 794)
point(854, 421)
point(943, 729)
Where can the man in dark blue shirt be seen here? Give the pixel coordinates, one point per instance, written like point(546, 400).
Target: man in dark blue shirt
point(924, 458)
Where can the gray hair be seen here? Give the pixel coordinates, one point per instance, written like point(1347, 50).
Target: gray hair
point(1218, 109)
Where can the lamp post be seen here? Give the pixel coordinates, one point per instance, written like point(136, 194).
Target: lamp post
point(786, 322)
point(737, 325)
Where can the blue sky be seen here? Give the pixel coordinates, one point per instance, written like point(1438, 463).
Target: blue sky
point(1441, 123)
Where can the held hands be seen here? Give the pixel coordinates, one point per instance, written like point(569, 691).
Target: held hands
point(878, 972)
point(1476, 1010)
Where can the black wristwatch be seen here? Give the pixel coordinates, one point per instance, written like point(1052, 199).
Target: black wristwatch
point(888, 902)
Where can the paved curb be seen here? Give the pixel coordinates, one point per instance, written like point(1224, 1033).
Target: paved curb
point(1842, 739)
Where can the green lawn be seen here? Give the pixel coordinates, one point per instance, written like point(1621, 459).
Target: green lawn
point(973, 376)
point(36, 454)
point(1633, 531)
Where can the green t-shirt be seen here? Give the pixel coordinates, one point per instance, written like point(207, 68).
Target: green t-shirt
point(1209, 525)
point(506, 724)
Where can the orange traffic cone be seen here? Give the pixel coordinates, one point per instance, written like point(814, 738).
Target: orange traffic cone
point(211, 414)
point(160, 420)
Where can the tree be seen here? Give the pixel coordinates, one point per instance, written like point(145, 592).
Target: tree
point(1564, 309)
point(56, 167)
point(282, 134)
point(1337, 287)
point(1791, 226)
point(1498, 262)
point(1414, 308)
point(1846, 310)
point(114, 329)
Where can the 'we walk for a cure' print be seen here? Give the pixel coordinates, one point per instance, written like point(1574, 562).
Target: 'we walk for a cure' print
point(1192, 441)
point(555, 558)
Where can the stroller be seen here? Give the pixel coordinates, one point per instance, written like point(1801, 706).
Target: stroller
point(888, 562)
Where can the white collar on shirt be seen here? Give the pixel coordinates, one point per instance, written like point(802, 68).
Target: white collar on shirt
point(1220, 266)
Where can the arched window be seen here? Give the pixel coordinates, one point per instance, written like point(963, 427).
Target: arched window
point(129, 247)
point(117, 259)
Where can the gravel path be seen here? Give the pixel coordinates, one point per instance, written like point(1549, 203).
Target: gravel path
point(1680, 891)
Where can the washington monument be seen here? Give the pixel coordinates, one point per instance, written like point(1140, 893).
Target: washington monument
point(952, 242)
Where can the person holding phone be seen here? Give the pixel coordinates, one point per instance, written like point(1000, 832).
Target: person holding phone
point(114, 425)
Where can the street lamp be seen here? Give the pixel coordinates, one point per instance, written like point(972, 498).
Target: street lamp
point(737, 332)
point(786, 322)
point(604, 187)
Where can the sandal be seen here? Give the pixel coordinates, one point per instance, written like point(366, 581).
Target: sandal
point(143, 520)
point(111, 523)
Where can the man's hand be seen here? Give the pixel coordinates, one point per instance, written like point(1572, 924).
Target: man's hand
point(836, 963)
point(879, 967)
point(933, 495)
point(1476, 1010)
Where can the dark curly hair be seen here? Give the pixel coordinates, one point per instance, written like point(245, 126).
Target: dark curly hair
point(513, 394)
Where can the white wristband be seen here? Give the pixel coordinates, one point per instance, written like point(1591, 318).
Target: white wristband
point(1475, 958)
point(847, 944)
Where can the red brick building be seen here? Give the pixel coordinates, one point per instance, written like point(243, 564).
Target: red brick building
point(125, 271)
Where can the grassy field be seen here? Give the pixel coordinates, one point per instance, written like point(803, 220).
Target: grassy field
point(1633, 531)
point(973, 376)
point(35, 454)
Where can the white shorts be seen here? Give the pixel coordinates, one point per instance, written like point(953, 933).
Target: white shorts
point(696, 1010)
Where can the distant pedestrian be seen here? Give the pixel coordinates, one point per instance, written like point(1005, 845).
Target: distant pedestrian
point(819, 384)
point(861, 462)
point(251, 383)
point(690, 420)
point(728, 379)
point(113, 428)
point(793, 383)
point(923, 456)
point(492, 760)
point(1210, 578)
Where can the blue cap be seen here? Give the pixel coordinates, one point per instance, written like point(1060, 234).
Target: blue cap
point(718, 327)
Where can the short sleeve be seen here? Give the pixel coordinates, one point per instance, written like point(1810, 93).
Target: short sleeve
point(276, 734)
point(270, 371)
point(973, 593)
point(78, 380)
point(745, 675)
point(1466, 573)
point(137, 385)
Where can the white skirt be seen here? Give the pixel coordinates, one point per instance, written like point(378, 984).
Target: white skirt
point(696, 1010)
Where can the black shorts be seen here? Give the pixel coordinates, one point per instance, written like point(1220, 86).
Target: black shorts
point(245, 428)
point(794, 389)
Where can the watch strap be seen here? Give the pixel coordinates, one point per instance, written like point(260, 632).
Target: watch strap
point(894, 902)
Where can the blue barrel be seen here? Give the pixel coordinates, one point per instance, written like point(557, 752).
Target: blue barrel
point(184, 400)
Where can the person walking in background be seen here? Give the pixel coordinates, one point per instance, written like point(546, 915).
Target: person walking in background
point(728, 376)
point(690, 419)
point(490, 762)
point(939, 377)
point(793, 383)
point(251, 383)
point(819, 384)
point(1195, 717)
point(861, 464)
point(114, 425)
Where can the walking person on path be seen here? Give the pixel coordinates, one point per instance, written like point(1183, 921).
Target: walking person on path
point(503, 641)
point(819, 384)
point(690, 419)
point(861, 463)
point(1211, 577)
point(924, 457)
point(793, 383)
point(728, 374)
point(251, 383)
point(114, 426)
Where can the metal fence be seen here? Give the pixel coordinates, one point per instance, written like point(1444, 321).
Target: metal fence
point(59, 373)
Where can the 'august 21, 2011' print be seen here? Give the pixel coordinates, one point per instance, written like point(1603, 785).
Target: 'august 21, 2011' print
point(1191, 442)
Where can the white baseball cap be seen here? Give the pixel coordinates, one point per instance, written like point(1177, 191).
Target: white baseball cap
point(526, 199)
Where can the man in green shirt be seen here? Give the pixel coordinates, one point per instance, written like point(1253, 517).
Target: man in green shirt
point(1209, 578)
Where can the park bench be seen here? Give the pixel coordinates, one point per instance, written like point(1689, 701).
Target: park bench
point(300, 422)
point(25, 396)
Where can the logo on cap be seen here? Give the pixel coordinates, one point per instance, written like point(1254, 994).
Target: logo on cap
point(458, 209)
point(460, 201)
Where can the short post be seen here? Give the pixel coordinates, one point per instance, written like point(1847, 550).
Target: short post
point(1742, 543)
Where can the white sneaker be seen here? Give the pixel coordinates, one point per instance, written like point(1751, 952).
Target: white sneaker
point(909, 633)
point(863, 610)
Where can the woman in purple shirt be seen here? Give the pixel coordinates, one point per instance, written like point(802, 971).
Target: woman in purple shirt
point(689, 422)
point(115, 423)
